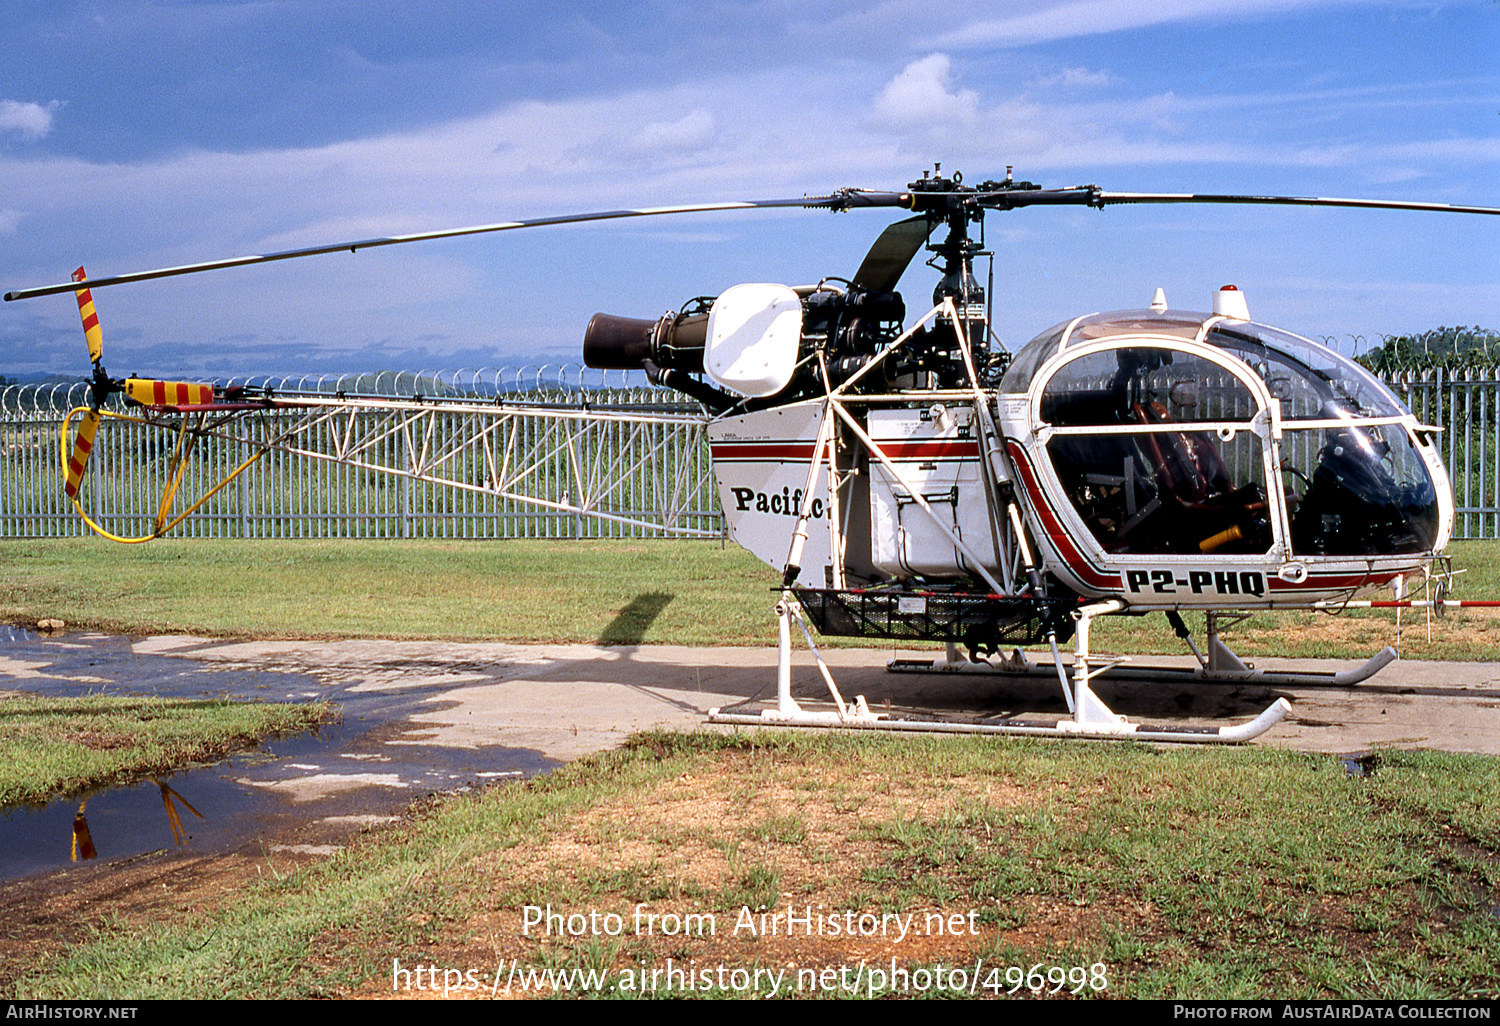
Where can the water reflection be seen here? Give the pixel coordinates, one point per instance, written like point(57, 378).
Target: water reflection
point(348, 770)
point(83, 841)
point(83, 838)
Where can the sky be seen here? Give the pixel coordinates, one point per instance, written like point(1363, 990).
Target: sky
point(137, 134)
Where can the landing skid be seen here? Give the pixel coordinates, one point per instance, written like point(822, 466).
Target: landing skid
point(1091, 718)
point(1017, 665)
point(1219, 666)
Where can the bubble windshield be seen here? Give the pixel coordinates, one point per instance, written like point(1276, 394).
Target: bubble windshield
point(1158, 451)
point(1312, 381)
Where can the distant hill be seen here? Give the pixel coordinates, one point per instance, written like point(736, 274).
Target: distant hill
point(40, 378)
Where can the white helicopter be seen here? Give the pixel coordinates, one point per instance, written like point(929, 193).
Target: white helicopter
point(912, 481)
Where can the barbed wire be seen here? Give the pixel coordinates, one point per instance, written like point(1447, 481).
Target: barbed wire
point(1450, 349)
point(552, 380)
point(1473, 351)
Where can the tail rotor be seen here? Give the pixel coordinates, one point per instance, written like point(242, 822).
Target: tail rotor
point(169, 395)
point(99, 390)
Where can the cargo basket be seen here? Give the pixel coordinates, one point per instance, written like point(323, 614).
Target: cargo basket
point(977, 620)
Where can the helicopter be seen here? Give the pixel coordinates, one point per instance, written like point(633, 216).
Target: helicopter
point(914, 481)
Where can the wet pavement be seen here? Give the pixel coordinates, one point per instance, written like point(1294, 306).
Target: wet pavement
point(428, 717)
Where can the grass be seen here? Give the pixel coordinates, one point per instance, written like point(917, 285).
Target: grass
point(1201, 873)
point(611, 592)
point(62, 747)
point(532, 591)
point(1245, 873)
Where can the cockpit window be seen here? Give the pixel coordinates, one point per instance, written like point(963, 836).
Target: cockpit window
point(1107, 387)
point(1039, 350)
point(1358, 490)
point(1313, 383)
point(1167, 492)
point(1030, 359)
point(1137, 322)
point(1153, 447)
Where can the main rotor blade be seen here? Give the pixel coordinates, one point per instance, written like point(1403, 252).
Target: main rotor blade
point(1109, 198)
point(835, 201)
point(1093, 196)
point(1004, 198)
point(892, 253)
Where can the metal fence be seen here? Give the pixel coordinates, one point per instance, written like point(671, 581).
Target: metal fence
point(1465, 403)
point(436, 456)
point(451, 473)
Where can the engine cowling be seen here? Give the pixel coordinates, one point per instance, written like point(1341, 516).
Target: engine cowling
point(752, 342)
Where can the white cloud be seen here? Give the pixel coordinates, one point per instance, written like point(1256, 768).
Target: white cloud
point(692, 131)
point(923, 94)
point(1073, 18)
point(29, 120)
point(1069, 77)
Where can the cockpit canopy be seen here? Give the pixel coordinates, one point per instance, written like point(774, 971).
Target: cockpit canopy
point(1158, 428)
point(1311, 380)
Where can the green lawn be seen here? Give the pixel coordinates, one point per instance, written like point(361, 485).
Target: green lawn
point(55, 747)
point(690, 593)
point(1242, 873)
point(653, 592)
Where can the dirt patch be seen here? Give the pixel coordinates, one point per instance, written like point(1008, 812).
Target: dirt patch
point(100, 740)
point(744, 865)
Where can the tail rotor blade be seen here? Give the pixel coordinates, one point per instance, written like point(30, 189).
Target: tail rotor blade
point(168, 393)
point(83, 445)
point(92, 333)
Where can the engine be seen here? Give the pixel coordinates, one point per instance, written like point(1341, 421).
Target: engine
point(760, 345)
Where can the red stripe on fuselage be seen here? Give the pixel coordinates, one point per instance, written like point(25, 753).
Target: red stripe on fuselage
point(930, 449)
point(937, 449)
point(762, 450)
point(1061, 540)
point(1339, 581)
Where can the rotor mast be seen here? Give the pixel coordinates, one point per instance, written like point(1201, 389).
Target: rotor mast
point(957, 206)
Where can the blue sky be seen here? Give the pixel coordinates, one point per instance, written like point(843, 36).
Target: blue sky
point(142, 134)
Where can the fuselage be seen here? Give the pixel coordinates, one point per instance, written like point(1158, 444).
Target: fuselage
point(1168, 459)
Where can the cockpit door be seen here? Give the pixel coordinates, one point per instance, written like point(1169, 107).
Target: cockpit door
point(1158, 458)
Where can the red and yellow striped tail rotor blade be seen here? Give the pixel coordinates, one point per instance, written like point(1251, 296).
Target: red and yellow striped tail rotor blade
point(92, 333)
point(83, 444)
point(168, 393)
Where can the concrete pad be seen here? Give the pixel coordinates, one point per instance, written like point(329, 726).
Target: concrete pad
point(568, 700)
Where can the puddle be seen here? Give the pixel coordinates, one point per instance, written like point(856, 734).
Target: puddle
point(245, 801)
point(1360, 764)
point(346, 774)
